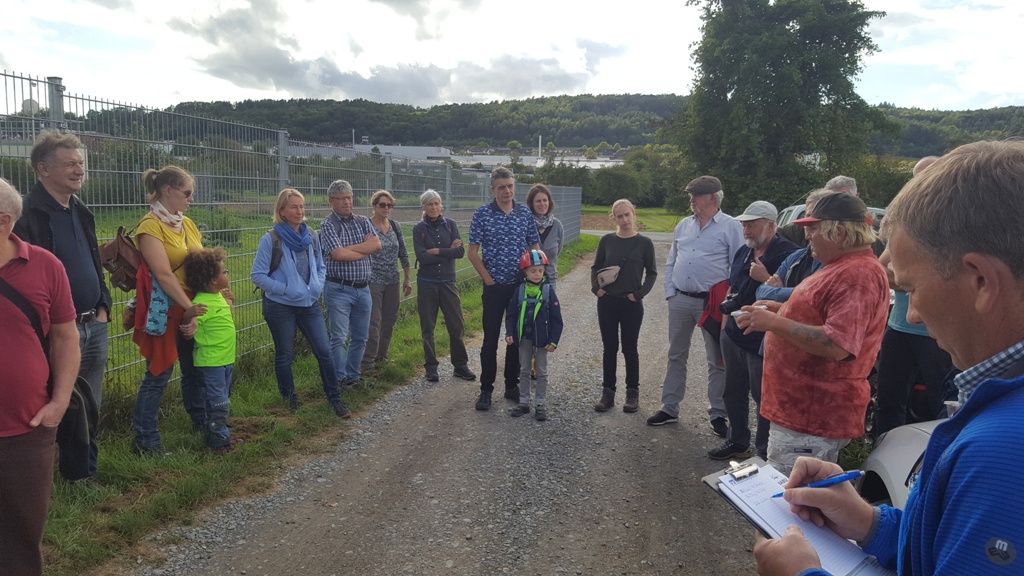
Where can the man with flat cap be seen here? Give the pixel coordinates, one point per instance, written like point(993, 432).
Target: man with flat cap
point(703, 246)
point(755, 262)
point(819, 345)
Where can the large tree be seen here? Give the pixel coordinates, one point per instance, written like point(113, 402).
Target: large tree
point(773, 108)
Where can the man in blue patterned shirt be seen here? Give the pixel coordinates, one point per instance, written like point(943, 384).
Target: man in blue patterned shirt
point(504, 229)
point(347, 240)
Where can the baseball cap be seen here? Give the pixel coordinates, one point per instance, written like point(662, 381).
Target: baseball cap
point(758, 210)
point(703, 185)
point(838, 206)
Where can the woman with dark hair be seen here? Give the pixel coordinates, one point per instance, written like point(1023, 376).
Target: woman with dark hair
point(620, 302)
point(165, 317)
point(384, 280)
point(552, 238)
point(289, 269)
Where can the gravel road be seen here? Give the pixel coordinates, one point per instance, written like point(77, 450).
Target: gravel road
point(425, 484)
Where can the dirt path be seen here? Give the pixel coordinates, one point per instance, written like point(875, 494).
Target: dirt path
point(428, 485)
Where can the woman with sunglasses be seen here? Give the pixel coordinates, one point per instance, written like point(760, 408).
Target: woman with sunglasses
point(384, 280)
point(165, 319)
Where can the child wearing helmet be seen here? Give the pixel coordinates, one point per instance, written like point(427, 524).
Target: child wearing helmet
point(533, 322)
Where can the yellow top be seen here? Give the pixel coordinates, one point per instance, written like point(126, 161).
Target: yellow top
point(176, 244)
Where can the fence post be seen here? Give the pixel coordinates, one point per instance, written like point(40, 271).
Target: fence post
point(56, 98)
point(282, 159)
point(388, 173)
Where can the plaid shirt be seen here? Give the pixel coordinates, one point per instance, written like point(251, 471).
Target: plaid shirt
point(337, 232)
point(968, 380)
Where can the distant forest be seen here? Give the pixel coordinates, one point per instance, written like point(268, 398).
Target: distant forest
point(568, 121)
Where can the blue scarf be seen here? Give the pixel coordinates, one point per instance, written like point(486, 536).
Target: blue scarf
point(295, 241)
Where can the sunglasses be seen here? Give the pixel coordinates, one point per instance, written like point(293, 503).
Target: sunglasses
point(187, 193)
point(385, 205)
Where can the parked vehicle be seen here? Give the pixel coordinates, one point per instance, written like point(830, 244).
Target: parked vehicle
point(888, 470)
point(797, 211)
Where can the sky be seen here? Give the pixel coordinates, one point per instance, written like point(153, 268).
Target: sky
point(934, 54)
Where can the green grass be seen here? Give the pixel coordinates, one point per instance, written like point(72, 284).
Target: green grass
point(93, 523)
point(648, 219)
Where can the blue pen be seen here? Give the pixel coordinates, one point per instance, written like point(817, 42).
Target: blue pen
point(830, 481)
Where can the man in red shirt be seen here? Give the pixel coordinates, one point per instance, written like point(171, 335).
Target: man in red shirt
point(29, 410)
point(820, 345)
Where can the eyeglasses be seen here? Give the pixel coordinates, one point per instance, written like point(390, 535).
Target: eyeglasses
point(187, 193)
point(385, 205)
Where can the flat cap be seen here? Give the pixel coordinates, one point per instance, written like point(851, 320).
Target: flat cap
point(703, 185)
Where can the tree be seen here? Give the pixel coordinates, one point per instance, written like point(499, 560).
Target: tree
point(775, 83)
point(514, 145)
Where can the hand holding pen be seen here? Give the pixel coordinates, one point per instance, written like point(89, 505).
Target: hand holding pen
point(839, 507)
point(830, 481)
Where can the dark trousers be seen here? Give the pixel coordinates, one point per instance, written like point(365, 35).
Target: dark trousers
point(495, 301)
point(443, 296)
point(743, 380)
point(614, 314)
point(26, 477)
point(904, 360)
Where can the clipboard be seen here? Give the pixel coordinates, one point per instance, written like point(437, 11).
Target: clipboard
point(748, 486)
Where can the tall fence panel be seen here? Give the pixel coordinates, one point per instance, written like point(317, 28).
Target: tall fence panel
point(239, 170)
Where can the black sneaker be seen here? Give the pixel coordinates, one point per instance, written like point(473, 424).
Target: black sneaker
point(512, 393)
point(661, 418)
point(155, 451)
point(720, 426)
point(484, 401)
point(340, 409)
point(540, 414)
point(520, 410)
point(432, 374)
point(730, 450)
point(465, 373)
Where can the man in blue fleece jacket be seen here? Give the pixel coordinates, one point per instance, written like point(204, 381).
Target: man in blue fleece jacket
point(957, 246)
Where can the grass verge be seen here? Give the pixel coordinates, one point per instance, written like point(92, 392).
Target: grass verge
point(648, 219)
point(94, 522)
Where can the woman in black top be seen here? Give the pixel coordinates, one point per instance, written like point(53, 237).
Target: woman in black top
point(620, 304)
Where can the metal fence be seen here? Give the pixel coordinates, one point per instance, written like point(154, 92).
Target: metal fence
point(238, 168)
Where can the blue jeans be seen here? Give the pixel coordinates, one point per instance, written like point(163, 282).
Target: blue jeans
point(92, 340)
point(147, 401)
point(282, 320)
point(348, 312)
point(217, 383)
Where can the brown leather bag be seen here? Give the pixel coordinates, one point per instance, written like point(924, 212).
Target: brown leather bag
point(121, 258)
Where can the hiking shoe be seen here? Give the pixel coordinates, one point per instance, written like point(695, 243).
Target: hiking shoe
point(293, 403)
point(540, 414)
point(512, 393)
point(484, 401)
point(730, 450)
point(520, 410)
point(632, 400)
point(661, 418)
point(465, 373)
point(432, 374)
point(155, 451)
point(720, 426)
point(340, 410)
point(607, 400)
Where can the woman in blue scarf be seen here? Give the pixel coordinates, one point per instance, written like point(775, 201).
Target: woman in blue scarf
point(290, 270)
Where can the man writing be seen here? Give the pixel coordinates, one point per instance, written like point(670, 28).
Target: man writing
point(55, 219)
point(820, 345)
point(965, 279)
point(503, 229)
point(347, 240)
point(29, 411)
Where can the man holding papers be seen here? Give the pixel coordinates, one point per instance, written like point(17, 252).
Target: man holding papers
point(956, 236)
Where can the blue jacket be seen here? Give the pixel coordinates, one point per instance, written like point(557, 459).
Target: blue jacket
point(967, 505)
point(546, 314)
point(285, 286)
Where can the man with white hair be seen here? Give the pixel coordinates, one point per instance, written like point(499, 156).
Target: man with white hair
point(32, 281)
point(844, 184)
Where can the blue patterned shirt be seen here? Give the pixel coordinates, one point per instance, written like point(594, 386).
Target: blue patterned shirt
point(337, 232)
point(503, 238)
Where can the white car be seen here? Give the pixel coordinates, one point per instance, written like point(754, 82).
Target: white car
point(797, 211)
point(887, 471)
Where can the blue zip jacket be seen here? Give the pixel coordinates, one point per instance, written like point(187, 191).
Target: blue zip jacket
point(546, 314)
point(285, 286)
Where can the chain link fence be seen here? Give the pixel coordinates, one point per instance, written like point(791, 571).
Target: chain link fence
point(239, 170)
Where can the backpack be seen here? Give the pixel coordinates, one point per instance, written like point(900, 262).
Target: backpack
point(276, 253)
point(121, 258)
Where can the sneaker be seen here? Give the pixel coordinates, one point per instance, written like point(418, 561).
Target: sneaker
point(512, 393)
point(340, 410)
point(730, 450)
point(465, 373)
point(155, 451)
point(484, 401)
point(540, 414)
point(293, 403)
point(344, 385)
point(520, 410)
point(432, 374)
point(661, 418)
point(720, 426)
